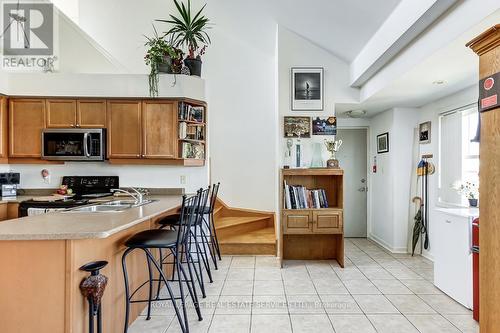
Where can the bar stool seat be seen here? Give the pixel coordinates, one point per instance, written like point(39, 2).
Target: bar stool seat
point(155, 238)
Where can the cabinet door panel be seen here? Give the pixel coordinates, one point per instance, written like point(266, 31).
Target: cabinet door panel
point(124, 129)
point(297, 223)
point(26, 121)
point(159, 129)
point(327, 222)
point(61, 113)
point(3, 127)
point(91, 113)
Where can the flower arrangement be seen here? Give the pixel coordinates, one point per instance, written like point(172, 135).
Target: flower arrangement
point(467, 189)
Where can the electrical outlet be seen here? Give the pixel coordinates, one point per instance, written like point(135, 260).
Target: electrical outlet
point(183, 180)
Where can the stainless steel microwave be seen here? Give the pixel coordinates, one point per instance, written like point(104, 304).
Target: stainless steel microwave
point(70, 144)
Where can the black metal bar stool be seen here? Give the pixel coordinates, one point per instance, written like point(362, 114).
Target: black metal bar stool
point(198, 238)
point(173, 241)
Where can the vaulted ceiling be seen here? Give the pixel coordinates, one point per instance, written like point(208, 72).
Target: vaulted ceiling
point(339, 26)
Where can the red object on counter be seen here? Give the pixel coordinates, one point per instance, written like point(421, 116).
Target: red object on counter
point(475, 269)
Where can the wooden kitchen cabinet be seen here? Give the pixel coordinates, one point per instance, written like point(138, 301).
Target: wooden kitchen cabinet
point(159, 129)
point(124, 129)
point(91, 113)
point(66, 113)
point(4, 129)
point(26, 121)
point(61, 113)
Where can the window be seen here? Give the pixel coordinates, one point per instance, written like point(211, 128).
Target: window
point(459, 156)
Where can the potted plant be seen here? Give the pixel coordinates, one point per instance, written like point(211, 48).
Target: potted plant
point(469, 190)
point(191, 32)
point(161, 57)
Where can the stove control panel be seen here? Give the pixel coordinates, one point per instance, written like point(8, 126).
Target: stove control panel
point(91, 184)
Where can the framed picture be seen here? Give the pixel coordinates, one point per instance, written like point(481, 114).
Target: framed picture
point(383, 143)
point(424, 132)
point(326, 126)
point(307, 88)
point(297, 127)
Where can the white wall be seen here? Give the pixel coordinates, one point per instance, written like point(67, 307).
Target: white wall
point(295, 51)
point(389, 193)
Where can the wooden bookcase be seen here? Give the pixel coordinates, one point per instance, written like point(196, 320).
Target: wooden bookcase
point(315, 233)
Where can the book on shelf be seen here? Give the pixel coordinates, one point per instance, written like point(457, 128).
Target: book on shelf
point(300, 197)
point(191, 132)
point(193, 150)
point(189, 112)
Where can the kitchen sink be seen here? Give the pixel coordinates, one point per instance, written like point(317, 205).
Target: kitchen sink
point(110, 206)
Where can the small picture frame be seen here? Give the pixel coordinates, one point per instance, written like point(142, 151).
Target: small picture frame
point(324, 126)
point(383, 143)
point(297, 127)
point(424, 132)
point(307, 88)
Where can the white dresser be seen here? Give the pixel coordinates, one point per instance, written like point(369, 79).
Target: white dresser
point(452, 255)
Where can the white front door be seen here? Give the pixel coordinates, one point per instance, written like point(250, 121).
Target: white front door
point(352, 158)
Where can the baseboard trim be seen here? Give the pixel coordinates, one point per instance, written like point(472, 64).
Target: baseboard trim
point(387, 246)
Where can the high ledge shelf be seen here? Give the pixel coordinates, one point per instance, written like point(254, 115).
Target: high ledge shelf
point(313, 233)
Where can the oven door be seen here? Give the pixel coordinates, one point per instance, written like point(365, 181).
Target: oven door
point(73, 144)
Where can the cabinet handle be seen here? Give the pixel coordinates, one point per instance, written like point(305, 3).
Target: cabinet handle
point(138, 155)
point(72, 125)
point(77, 125)
point(447, 221)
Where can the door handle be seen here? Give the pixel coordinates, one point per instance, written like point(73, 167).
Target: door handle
point(363, 189)
point(86, 145)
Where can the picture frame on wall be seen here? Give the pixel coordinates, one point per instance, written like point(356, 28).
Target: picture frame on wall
point(383, 143)
point(307, 88)
point(297, 127)
point(324, 126)
point(424, 132)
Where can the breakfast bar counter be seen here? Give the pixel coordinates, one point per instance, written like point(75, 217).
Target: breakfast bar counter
point(41, 256)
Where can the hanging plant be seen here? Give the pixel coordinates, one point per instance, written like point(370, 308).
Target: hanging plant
point(161, 57)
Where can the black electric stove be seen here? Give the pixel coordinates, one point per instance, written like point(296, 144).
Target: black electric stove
point(84, 189)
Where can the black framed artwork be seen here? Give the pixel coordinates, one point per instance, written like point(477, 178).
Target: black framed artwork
point(383, 143)
point(307, 88)
point(424, 135)
point(324, 126)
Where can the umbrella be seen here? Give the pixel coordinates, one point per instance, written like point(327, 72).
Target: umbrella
point(417, 229)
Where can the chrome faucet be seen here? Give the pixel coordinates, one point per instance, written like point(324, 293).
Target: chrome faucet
point(133, 192)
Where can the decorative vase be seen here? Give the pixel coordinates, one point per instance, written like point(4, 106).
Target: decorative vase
point(194, 66)
point(317, 159)
point(166, 65)
point(473, 202)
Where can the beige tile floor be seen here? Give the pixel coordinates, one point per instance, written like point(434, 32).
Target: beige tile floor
point(375, 292)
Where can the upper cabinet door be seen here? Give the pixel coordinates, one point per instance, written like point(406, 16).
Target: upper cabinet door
point(124, 128)
point(26, 121)
point(91, 113)
point(159, 129)
point(61, 113)
point(3, 128)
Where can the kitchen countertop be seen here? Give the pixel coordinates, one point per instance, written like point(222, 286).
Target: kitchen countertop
point(462, 212)
point(16, 199)
point(84, 225)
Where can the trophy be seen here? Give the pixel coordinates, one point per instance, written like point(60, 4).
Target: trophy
point(333, 147)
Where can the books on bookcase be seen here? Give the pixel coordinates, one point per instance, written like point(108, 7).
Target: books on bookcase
point(193, 150)
point(191, 131)
point(190, 112)
point(300, 197)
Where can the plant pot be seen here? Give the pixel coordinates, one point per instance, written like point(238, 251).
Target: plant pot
point(166, 65)
point(473, 202)
point(194, 66)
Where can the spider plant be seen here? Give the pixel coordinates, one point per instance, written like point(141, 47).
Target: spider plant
point(188, 30)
